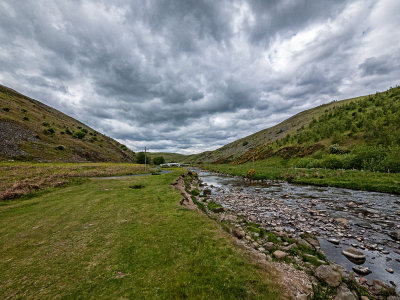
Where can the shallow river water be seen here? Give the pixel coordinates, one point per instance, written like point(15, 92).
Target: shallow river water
point(297, 208)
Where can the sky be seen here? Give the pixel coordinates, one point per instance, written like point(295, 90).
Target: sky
point(189, 76)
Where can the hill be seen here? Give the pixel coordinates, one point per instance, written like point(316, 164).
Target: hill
point(31, 130)
point(358, 133)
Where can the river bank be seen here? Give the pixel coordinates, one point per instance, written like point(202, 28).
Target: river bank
point(338, 218)
point(351, 179)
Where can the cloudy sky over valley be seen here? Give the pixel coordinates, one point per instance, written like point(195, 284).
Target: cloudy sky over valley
point(188, 76)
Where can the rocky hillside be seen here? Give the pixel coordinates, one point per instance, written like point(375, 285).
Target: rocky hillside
point(370, 120)
point(31, 130)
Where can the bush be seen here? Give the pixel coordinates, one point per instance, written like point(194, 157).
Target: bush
point(158, 160)
point(61, 147)
point(79, 134)
point(25, 118)
point(6, 109)
point(45, 124)
point(123, 147)
point(49, 131)
point(245, 143)
point(67, 131)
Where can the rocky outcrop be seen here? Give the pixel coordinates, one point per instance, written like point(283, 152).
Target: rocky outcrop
point(329, 275)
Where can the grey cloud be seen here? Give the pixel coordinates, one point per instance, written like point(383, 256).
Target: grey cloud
point(193, 75)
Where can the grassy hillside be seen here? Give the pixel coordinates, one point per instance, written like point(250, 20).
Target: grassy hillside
point(31, 130)
point(105, 239)
point(233, 151)
point(169, 157)
point(359, 133)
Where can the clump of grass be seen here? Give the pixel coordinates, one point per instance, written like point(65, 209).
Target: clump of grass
point(25, 118)
point(6, 109)
point(214, 207)
point(136, 186)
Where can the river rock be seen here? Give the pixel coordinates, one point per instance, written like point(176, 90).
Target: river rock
point(238, 233)
point(334, 241)
point(343, 293)
point(269, 246)
point(342, 221)
point(395, 235)
point(389, 270)
point(313, 242)
point(329, 275)
point(280, 254)
point(361, 270)
point(354, 255)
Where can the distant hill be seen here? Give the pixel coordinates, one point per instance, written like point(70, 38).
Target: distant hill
point(338, 127)
point(31, 130)
point(169, 157)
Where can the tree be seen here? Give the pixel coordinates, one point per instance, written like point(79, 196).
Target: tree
point(141, 158)
point(158, 160)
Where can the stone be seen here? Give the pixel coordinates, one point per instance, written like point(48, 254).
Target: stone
point(361, 270)
point(269, 246)
point(389, 270)
point(280, 254)
point(301, 297)
point(328, 275)
point(334, 241)
point(238, 233)
point(395, 235)
point(343, 293)
point(313, 242)
point(354, 255)
point(364, 298)
point(342, 221)
point(362, 280)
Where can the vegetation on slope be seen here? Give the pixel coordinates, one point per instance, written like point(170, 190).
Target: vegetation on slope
point(31, 130)
point(105, 239)
point(361, 133)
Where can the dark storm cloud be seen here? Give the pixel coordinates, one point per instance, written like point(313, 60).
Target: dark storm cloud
point(194, 75)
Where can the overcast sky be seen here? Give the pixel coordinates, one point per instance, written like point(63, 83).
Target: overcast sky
point(188, 76)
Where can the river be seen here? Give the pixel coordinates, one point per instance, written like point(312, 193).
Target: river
point(281, 206)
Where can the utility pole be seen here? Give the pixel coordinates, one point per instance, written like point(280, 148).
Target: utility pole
point(145, 159)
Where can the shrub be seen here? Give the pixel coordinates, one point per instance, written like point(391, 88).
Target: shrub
point(245, 143)
point(251, 173)
point(6, 109)
point(67, 131)
point(79, 134)
point(61, 147)
point(49, 131)
point(45, 124)
point(25, 118)
point(123, 147)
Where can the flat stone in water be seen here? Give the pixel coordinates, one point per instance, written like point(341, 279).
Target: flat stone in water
point(334, 241)
point(361, 270)
point(354, 255)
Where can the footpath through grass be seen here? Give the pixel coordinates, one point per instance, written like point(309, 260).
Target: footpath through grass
point(105, 239)
point(352, 179)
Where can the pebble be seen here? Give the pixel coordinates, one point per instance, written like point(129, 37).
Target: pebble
point(389, 270)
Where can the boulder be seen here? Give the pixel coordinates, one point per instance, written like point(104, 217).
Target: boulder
point(269, 246)
point(354, 255)
point(343, 293)
point(280, 254)
point(238, 233)
point(328, 275)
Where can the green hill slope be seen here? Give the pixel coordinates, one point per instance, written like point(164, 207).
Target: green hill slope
point(31, 130)
point(362, 132)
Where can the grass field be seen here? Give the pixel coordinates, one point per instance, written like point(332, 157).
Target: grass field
point(352, 179)
point(18, 179)
point(104, 239)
